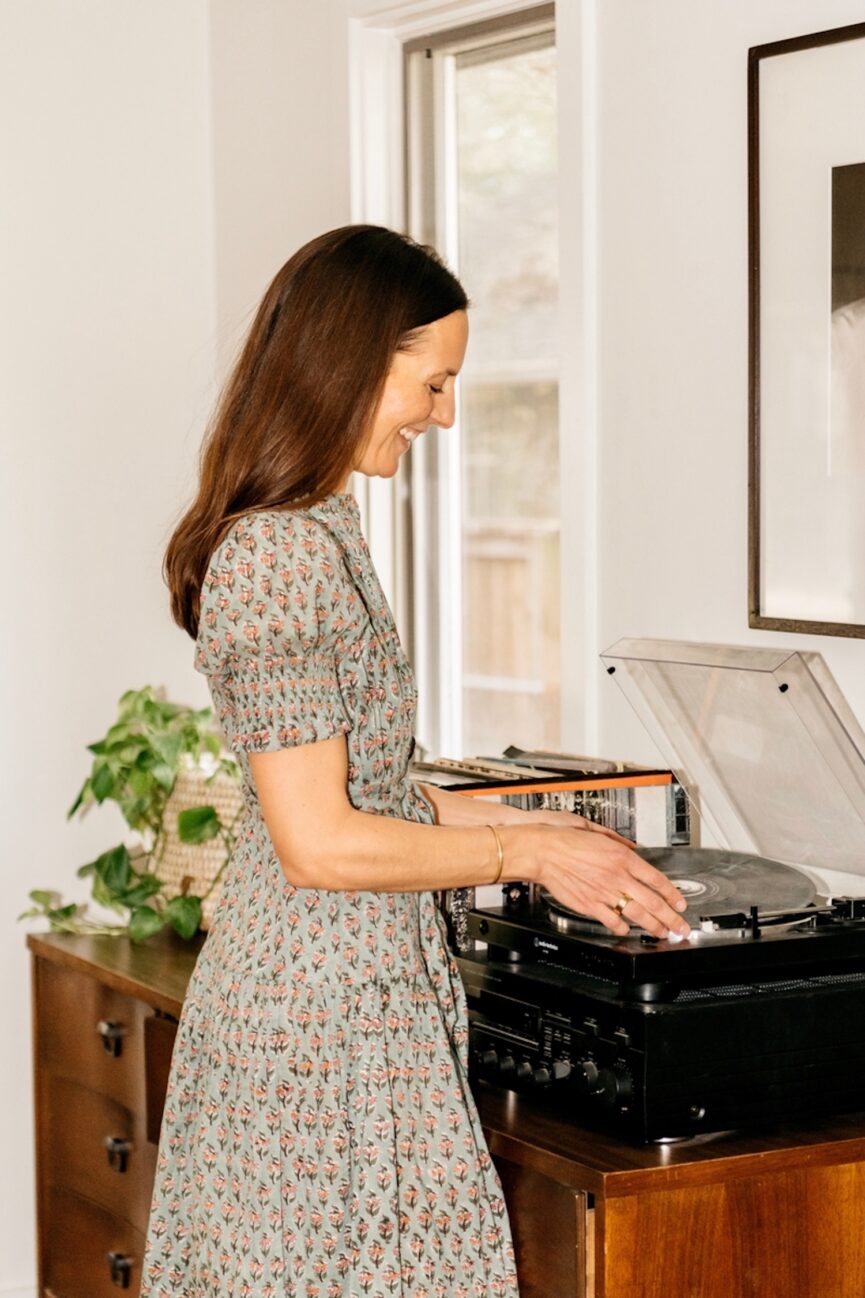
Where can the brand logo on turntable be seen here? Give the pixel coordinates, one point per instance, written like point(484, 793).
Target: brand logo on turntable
point(545, 945)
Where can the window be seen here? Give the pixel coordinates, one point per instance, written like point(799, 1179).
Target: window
point(484, 497)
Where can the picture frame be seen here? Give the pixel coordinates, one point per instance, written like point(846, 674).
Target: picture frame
point(806, 197)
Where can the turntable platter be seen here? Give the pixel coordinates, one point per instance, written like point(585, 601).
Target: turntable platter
point(717, 882)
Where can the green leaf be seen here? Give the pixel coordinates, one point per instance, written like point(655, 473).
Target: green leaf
point(164, 776)
point(144, 922)
point(140, 782)
point(152, 713)
point(62, 912)
point(102, 782)
point(213, 744)
point(85, 794)
point(135, 812)
point(104, 896)
point(114, 869)
point(42, 897)
point(118, 734)
point(133, 703)
point(184, 915)
point(84, 870)
point(98, 749)
point(169, 748)
point(198, 825)
point(147, 885)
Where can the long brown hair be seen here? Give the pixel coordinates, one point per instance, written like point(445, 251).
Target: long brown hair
point(299, 404)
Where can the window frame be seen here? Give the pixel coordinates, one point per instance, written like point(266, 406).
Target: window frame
point(377, 31)
point(432, 507)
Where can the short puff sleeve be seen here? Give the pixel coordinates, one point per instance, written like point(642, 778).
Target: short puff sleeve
point(275, 601)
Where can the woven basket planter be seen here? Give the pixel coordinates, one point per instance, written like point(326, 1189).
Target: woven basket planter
point(187, 868)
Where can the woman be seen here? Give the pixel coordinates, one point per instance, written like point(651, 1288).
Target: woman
point(319, 1136)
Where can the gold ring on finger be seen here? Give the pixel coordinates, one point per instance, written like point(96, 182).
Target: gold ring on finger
point(622, 903)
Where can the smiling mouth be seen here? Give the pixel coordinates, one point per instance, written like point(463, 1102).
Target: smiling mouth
point(409, 434)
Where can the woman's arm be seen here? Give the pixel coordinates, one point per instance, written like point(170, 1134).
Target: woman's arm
point(459, 809)
point(322, 841)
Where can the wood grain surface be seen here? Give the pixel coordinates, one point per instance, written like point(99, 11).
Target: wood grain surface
point(549, 1228)
point(798, 1233)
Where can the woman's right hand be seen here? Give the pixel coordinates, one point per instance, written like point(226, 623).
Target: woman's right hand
point(591, 873)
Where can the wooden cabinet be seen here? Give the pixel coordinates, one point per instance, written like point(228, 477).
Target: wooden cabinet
point(105, 1014)
point(726, 1216)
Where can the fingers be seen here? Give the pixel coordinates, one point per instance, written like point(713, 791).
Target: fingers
point(612, 919)
point(652, 878)
point(649, 912)
point(657, 903)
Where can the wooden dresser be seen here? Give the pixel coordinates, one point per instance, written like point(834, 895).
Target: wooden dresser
point(104, 1018)
point(781, 1215)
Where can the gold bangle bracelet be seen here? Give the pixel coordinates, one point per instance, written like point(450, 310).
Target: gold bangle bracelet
point(501, 853)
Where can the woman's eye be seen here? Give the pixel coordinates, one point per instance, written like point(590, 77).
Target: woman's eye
point(432, 387)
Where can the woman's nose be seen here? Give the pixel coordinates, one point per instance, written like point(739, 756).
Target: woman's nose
point(444, 410)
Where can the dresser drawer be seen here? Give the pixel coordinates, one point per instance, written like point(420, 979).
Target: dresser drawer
point(91, 1034)
point(80, 1124)
point(84, 1239)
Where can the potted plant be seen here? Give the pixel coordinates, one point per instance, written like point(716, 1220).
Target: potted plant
point(164, 766)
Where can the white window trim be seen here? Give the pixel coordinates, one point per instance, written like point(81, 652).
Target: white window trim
point(377, 31)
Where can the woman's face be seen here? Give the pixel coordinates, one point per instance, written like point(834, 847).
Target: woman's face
point(418, 392)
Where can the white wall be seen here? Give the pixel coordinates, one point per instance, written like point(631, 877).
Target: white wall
point(106, 325)
point(673, 340)
point(159, 162)
point(280, 142)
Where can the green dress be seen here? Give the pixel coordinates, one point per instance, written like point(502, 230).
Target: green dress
point(319, 1138)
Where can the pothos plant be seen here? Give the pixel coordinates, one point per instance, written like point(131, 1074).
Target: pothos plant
point(136, 766)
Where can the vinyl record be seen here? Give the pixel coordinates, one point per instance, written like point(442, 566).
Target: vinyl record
point(717, 882)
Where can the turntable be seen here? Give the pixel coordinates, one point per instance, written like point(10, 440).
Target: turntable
point(759, 1015)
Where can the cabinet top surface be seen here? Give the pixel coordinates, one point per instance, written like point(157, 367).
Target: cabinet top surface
point(158, 970)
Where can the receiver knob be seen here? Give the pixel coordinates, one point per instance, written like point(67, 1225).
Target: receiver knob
point(524, 1070)
point(489, 1059)
point(614, 1086)
point(561, 1069)
point(587, 1076)
point(541, 1076)
point(507, 1065)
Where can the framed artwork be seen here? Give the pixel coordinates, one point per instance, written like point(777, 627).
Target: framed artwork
point(806, 123)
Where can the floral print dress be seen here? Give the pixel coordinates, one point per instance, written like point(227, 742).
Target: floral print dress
point(319, 1137)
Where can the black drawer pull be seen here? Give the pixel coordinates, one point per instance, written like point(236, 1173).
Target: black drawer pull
point(112, 1035)
point(118, 1150)
point(120, 1268)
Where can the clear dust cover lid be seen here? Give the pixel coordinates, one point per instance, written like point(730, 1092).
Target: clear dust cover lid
point(764, 741)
